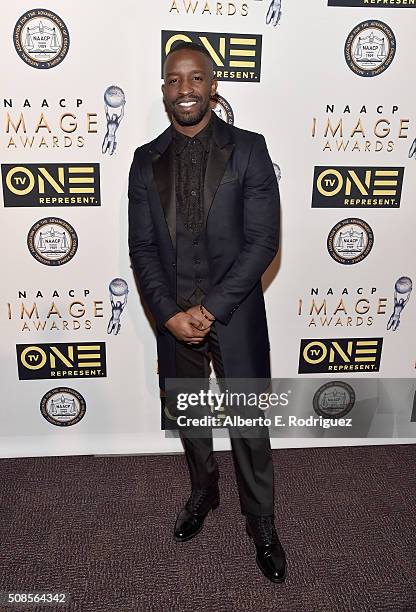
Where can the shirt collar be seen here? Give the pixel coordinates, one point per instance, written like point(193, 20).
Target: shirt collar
point(204, 137)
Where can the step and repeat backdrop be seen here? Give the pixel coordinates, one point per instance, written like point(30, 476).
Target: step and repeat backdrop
point(328, 83)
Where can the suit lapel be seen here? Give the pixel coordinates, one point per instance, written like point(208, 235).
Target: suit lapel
point(163, 170)
point(216, 164)
point(164, 174)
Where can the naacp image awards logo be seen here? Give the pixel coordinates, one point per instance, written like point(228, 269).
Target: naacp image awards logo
point(370, 48)
point(402, 290)
point(41, 38)
point(350, 241)
point(118, 289)
point(52, 241)
point(63, 406)
point(114, 102)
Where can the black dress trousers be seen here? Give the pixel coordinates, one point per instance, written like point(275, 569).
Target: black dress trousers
point(251, 455)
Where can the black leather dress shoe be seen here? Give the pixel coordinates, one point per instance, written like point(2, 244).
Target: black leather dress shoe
point(191, 518)
point(271, 557)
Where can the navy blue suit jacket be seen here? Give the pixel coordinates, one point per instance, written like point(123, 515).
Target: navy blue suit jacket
point(242, 208)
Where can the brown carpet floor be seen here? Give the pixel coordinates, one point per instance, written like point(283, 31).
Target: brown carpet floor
point(100, 528)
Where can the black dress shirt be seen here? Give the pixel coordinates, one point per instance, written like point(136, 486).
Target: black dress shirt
point(191, 154)
point(190, 161)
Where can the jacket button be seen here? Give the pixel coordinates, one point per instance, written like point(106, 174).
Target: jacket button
point(173, 264)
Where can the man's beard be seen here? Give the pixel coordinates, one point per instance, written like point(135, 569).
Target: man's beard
point(191, 119)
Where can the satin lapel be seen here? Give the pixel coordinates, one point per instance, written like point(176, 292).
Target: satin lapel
point(165, 181)
point(216, 165)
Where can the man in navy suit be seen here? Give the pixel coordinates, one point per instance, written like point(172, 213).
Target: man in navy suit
point(203, 227)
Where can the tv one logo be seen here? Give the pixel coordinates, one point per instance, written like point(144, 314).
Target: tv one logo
point(357, 187)
point(340, 355)
point(51, 185)
point(236, 57)
point(61, 360)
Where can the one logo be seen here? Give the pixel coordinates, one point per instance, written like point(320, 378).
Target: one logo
point(52, 241)
point(236, 57)
point(51, 185)
point(114, 102)
point(340, 355)
point(402, 290)
point(41, 38)
point(357, 187)
point(370, 48)
point(63, 406)
point(274, 12)
point(375, 3)
point(334, 399)
point(61, 360)
point(222, 108)
point(118, 289)
point(350, 241)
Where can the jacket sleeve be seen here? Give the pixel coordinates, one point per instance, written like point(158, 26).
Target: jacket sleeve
point(261, 232)
point(144, 251)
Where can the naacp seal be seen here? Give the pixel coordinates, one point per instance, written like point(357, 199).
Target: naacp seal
point(222, 108)
point(335, 399)
point(63, 406)
point(52, 241)
point(370, 48)
point(41, 38)
point(350, 241)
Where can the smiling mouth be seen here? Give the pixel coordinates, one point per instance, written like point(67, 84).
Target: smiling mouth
point(186, 104)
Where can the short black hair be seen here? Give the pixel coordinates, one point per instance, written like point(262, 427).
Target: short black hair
point(192, 46)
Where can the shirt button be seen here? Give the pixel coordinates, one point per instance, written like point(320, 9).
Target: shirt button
point(193, 192)
point(193, 160)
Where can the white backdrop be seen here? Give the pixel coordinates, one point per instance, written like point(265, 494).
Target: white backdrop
point(304, 74)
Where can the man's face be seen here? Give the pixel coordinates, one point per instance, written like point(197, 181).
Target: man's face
point(188, 86)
